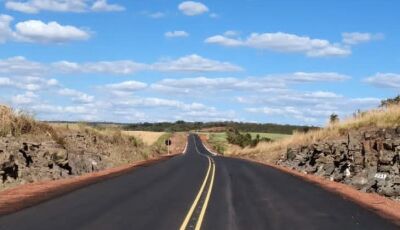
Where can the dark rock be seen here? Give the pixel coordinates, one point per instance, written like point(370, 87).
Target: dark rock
point(291, 154)
point(9, 169)
point(384, 168)
point(386, 157)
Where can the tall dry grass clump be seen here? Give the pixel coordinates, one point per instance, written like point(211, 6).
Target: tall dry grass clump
point(16, 123)
point(385, 117)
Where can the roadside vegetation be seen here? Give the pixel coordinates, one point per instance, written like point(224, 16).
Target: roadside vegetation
point(233, 140)
point(32, 150)
point(148, 137)
point(386, 116)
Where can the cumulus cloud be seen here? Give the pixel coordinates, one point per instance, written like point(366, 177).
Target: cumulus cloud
point(195, 63)
point(76, 96)
point(284, 42)
point(35, 6)
point(124, 88)
point(303, 77)
point(38, 31)
point(154, 102)
point(28, 97)
point(122, 67)
point(354, 38)
point(176, 33)
point(191, 8)
point(386, 80)
point(16, 66)
point(127, 85)
point(5, 31)
point(231, 33)
point(309, 107)
point(192, 63)
point(5, 81)
point(213, 85)
point(102, 5)
point(267, 83)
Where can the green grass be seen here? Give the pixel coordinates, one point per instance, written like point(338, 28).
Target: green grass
point(272, 136)
point(221, 137)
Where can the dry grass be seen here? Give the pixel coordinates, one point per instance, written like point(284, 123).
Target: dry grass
point(147, 137)
point(377, 118)
point(17, 123)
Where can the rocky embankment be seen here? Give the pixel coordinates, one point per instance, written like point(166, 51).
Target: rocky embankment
point(368, 160)
point(27, 159)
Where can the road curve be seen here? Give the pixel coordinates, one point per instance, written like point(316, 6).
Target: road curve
point(198, 191)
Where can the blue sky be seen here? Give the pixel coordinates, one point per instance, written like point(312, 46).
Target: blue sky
point(257, 60)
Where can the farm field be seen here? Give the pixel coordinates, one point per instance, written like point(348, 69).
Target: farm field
point(221, 136)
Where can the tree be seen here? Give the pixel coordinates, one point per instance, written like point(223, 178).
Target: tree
point(334, 118)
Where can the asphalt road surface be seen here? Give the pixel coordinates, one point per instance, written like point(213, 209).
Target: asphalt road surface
point(198, 191)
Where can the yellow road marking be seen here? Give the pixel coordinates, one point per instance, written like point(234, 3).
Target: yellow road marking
point(187, 218)
point(204, 208)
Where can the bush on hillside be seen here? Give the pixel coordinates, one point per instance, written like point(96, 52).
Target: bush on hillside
point(243, 140)
point(390, 101)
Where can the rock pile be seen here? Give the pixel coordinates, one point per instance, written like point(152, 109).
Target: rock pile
point(368, 160)
point(23, 161)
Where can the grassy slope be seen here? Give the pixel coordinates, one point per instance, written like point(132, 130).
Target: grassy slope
point(377, 118)
point(148, 137)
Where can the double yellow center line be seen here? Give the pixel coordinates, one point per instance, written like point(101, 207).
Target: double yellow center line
point(195, 216)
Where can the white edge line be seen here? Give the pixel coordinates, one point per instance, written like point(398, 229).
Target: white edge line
point(184, 150)
point(212, 152)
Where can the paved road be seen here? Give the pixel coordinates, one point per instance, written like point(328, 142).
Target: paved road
point(198, 191)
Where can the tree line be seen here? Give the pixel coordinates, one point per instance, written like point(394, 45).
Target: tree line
point(182, 126)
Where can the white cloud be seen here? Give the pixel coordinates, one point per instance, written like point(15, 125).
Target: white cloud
point(224, 41)
point(195, 63)
point(190, 63)
point(122, 67)
point(214, 85)
point(19, 65)
point(357, 37)
point(231, 33)
point(102, 5)
point(386, 80)
point(23, 99)
point(303, 77)
point(76, 96)
point(153, 102)
point(127, 86)
point(191, 8)
point(5, 81)
point(36, 83)
point(35, 6)
point(38, 31)
point(176, 33)
point(309, 107)
point(259, 84)
point(284, 42)
point(124, 88)
point(5, 31)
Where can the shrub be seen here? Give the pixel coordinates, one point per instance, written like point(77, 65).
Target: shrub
point(243, 140)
